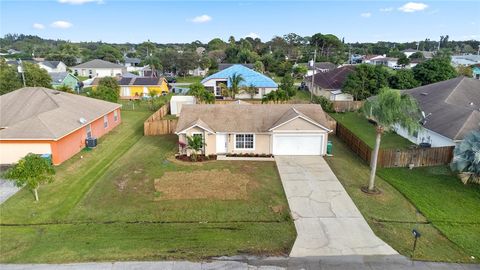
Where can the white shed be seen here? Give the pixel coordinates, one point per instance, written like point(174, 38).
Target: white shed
point(176, 103)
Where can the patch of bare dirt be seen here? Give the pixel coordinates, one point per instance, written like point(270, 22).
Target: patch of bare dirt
point(212, 184)
point(277, 208)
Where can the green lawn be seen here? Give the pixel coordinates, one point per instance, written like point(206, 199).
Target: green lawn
point(392, 216)
point(359, 125)
point(106, 206)
point(189, 79)
point(451, 206)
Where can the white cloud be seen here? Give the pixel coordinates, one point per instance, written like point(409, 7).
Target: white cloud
point(61, 24)
point(38, 26)
point(201, 19)
point(387, 9)
point(79, 2)
point(252, 35)
point(413, 7)
point(366, 15)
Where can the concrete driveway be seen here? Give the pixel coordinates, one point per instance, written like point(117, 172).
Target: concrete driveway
point(327, 221)
point(7, 190)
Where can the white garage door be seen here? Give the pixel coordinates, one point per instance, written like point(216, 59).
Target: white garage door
point(298, 144)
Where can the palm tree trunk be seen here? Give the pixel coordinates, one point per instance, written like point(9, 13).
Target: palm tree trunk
point(35, 191)
point(373, 163)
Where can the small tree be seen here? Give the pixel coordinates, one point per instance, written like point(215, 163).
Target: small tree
point(300, 71)
point(403, 60)
point(235, 80)
point(65, 88)
point(326, 104)
point(36, 76)
point(251, 90)
point(388, 109)
point(466, 158)
point(9, 79)
point(198, 91)
point(288, 85)
point(31, 171)
point(196, 144)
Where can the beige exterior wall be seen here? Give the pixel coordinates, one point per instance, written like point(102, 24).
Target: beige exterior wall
point(262, 145)
point(210, 148)
point(12, 152)
point(299, 124)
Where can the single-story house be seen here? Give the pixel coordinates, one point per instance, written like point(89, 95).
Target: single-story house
point(280, 129)
point(137, 87)
point(409, 52)
point(53, 66)
point(476, 71)
point(262, 83)
point(329, 84)
point(390, 62)
point(451, 110)
point(99, 68)
point(64, 78)
point(320, 67)
point(198, 71)
point(177, 102)
point(465, 60)
point(45, 121)
point(132, 61)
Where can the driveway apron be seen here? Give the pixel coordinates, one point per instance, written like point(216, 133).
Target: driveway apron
point(327, 221)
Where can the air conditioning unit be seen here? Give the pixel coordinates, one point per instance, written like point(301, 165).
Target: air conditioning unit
point(91, 142)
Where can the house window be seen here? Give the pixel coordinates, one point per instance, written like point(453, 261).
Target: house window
point(89, 131)
point(90, 72)
point(257, 91)
point(194, 135)
point(244, 141)
point(115, 115)
point(105, 121)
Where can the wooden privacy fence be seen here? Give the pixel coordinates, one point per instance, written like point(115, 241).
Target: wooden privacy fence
point(388, 158)
point(347, 106)
point(331, 123)
point(156, 124)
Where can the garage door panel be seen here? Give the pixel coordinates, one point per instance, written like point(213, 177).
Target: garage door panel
point(297, 144)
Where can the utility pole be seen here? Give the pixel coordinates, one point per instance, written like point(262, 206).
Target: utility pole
point(313, 73)
point(22, 71)
point(418, 44)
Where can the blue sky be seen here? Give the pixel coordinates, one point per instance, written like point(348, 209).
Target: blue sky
point(186, 21)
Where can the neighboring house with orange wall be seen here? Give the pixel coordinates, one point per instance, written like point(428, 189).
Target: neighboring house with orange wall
point(44, 121)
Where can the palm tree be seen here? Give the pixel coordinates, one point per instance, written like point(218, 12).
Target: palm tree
point(251, 90)
point(388, 109)
point(466, 158)
point(235, 81)
point(195, 143)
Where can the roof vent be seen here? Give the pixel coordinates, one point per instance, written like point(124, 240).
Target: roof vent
point(424, 94)
point(82, 120)
point(56, 93)
point(471, 104)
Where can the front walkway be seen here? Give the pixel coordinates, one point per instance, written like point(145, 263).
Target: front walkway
point(327, 221)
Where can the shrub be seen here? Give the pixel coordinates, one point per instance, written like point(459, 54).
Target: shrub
point(326, 104)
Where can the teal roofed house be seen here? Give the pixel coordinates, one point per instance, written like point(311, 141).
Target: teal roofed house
point(262, 83)
point(476, 71)
point(65, 78)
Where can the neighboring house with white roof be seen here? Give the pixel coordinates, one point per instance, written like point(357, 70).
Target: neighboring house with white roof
point(451, 110)
point(465, 60)
point(273, 129)
point(262, 83)
point(99, 68)
point(53, 66)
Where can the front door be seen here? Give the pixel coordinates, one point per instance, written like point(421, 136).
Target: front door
point(221, 143)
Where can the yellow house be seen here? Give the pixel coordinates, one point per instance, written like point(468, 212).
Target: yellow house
point(137, 87)
point(142, 86)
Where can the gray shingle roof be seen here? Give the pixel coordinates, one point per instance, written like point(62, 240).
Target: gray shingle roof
point(247, 118)
point(51, 64)
point(98, 63)
point(34, 113)
point(452, 106)
point(333, 79)
point(58, 77)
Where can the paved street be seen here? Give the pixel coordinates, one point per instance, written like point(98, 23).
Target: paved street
point(327, 221)
point(392, 262)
